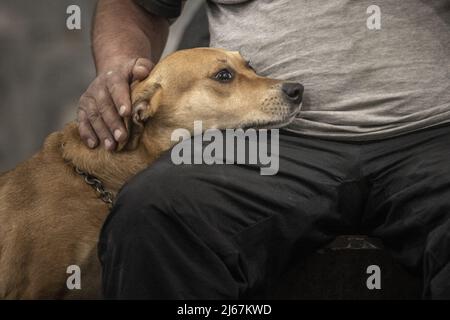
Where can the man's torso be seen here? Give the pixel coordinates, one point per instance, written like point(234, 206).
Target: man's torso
point(360, 83)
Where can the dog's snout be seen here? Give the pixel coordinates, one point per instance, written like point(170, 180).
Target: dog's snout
point(293, 91)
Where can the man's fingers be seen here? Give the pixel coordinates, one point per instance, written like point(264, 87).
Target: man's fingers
point(85, 130)
point(103, 133)
point(99, 126)
point(141, 69)
point(110, 117)
point(119, 89)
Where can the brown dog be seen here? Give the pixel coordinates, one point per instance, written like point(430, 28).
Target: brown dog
point(50, 217)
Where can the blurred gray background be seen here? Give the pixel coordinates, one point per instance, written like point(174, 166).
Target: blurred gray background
point(45, 67)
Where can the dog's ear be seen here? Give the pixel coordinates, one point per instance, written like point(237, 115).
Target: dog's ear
point(145, 100)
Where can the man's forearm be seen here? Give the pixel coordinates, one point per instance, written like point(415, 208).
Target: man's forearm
point(123, 30)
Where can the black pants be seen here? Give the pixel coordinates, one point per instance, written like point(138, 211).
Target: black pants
point(225, 231)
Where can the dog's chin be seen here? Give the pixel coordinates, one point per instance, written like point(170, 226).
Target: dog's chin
point(272, 123)
point(268, 124)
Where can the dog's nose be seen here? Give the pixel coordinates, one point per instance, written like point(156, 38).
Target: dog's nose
point(293, 91)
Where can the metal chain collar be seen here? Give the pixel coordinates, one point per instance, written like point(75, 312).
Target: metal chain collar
point(105, 195)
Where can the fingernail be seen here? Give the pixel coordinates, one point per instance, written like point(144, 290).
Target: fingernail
point(122, 110)
point(117, 134)
point(142, 68)
point(91, 143)
point(108, 144)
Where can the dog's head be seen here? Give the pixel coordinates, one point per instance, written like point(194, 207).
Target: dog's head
point(215, 86)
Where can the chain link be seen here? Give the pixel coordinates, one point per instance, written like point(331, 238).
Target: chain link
point(105, 195)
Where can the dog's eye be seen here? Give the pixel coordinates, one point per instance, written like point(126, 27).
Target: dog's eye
point(224, 75)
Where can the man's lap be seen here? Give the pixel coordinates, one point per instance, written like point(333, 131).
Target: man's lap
point(323, 188)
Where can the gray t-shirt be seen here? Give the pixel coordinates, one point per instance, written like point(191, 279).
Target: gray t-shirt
point(360, 82)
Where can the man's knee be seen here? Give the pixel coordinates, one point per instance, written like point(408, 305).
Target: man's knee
point(150, 198)
point(164, 183)
point(142, 209)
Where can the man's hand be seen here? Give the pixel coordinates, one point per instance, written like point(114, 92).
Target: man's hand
point(106, 100)
point(123, 31)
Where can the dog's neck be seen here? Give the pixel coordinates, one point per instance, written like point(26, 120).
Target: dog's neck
point(114, 168)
